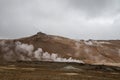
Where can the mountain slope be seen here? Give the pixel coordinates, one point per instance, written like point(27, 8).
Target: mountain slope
point(90, 51)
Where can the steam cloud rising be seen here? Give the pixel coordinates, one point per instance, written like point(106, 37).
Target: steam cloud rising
point(13, 51)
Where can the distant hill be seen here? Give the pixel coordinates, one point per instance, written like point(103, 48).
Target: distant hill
point(87, 51)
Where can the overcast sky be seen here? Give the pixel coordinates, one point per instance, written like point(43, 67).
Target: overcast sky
point(78, 19)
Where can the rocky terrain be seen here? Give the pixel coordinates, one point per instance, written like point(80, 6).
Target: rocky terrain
point(43, 47)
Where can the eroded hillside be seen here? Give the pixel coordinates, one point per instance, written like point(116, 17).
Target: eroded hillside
point(87, 51)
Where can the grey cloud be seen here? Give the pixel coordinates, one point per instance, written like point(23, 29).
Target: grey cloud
point(94, 8)
point(80, 19)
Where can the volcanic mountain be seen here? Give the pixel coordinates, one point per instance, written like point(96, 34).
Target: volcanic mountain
point(55, 48)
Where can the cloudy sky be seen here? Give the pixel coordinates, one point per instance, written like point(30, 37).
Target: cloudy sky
point(78, 19)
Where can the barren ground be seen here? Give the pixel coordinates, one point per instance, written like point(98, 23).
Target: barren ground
point(57, 71)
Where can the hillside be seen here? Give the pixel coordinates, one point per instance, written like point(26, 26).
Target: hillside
point(83, 51)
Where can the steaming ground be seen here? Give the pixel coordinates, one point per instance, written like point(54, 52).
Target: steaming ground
point(25, 52)
point(48, 57)
point(43, 47)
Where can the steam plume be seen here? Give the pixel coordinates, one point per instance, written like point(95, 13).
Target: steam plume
point(13, 51)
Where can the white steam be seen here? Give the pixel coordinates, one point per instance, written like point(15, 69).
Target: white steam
point(19, 51)
point(25, 48)
point(88, 42)
point(95, 43)
point(38, 54)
